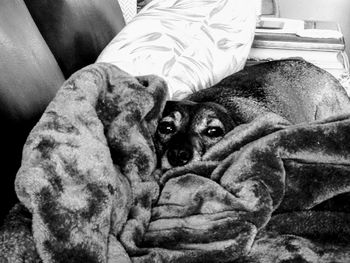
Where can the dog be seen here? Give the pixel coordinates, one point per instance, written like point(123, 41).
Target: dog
point(294, 89)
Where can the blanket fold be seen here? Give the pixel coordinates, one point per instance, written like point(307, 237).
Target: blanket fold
point(90, 189)
point(294, 168)
point(83, 168)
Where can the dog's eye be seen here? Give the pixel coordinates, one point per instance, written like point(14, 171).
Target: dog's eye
point(213, 132)
point(166, 127)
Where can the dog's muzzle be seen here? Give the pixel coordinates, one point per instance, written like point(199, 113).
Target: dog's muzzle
point(178, 156)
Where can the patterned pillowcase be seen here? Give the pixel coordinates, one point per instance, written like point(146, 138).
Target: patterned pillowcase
point(192, 44)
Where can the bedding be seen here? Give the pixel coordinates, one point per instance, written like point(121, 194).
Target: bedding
point(191, 44)
point(90, 190)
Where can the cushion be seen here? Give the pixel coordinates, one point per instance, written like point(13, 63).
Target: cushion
point(192, 44)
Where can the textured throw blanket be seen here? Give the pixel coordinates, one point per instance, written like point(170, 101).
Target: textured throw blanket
point(90, 190)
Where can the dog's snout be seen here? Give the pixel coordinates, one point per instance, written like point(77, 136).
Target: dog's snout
point(179, 156)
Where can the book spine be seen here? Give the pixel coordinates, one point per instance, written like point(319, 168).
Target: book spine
point(283, 53)
point(298, 45)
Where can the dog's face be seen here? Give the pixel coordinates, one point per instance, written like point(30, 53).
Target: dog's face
point(188, 129)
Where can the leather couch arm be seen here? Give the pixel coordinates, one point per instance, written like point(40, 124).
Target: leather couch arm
point(76, 31)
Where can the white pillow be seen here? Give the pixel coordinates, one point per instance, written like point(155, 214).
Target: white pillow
point(192, 44)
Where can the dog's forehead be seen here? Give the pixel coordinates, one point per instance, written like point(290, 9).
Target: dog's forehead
point(179, 109)
point(180, 106)
point(193, 110)
point(174, 116)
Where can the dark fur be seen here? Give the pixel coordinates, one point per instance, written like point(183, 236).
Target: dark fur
point(294, 89)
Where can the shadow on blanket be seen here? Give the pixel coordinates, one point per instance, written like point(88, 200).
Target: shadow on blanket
point(90, 191)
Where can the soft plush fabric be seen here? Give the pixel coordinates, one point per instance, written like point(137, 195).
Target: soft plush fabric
point(269, 191)
point(192, 44)
point(79, 197)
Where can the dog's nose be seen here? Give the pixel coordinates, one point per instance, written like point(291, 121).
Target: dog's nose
point(179, 157)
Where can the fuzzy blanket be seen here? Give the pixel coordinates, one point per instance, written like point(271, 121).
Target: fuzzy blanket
point(90, 190)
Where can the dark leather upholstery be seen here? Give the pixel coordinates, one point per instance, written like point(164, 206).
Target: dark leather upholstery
point(40, 46)
point(76, 29)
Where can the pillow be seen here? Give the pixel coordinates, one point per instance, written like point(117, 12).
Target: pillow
point(192, 44)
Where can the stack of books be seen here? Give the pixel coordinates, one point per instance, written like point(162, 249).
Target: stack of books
point(319, 42)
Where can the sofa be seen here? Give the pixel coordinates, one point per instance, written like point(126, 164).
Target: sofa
point(42, 44)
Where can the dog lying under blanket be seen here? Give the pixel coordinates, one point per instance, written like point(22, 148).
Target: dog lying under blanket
point(294, 89)
point(90, 191)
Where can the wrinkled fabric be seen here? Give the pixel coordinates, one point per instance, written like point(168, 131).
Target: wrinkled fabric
point(269, 191)
point(260, 198)
point(88, 162)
